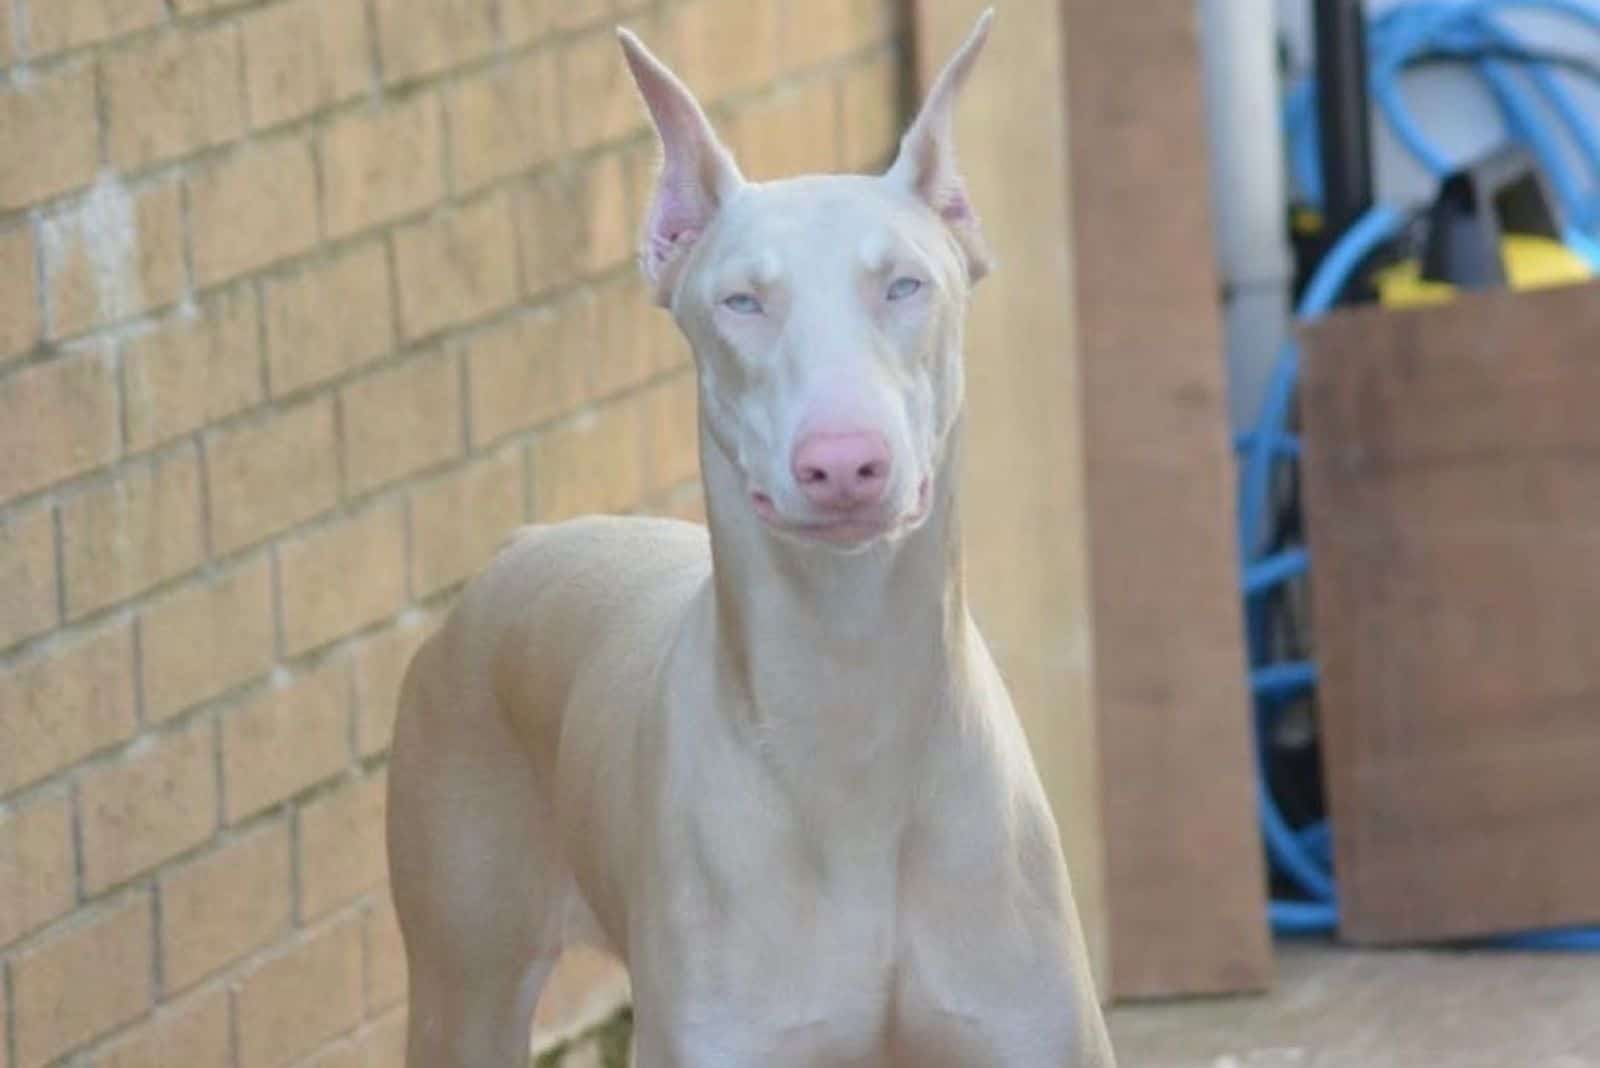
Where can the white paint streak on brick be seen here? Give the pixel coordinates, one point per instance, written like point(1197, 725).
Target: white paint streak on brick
point(106, 225)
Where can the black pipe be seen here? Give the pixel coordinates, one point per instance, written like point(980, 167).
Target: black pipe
point(1343, 121)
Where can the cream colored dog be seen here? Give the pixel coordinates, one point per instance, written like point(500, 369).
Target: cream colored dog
point(774, 768)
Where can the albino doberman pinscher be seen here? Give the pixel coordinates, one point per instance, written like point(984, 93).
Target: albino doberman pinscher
point(771, 766)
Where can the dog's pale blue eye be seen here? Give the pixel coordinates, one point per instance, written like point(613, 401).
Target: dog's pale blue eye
point(743, 304)
point(901, 288)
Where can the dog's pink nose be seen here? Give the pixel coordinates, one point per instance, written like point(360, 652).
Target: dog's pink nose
point(842, 471)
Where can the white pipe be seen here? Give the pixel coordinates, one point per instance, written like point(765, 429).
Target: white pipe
point(1248, 190)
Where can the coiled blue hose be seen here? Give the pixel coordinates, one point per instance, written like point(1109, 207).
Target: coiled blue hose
point(1304, 855)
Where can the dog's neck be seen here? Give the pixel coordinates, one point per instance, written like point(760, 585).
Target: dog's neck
point(837, 654)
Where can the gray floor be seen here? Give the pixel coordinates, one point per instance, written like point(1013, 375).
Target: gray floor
point(1336, 1008)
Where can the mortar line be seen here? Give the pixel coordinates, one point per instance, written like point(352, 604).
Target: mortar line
point(140, 713)
point(58, 549)
point(7, 1002)
point(297, 919)
point(464, 386)
point(80, 892)
point(275, 576)
point(242, 63)
point(408, 544)
point(219, 768)
point(158, 976)
point(374, 50)
point(20, 35)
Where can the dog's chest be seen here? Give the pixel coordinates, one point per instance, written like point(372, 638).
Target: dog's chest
point(786, 942)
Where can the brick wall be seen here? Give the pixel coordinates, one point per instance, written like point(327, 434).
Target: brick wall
point(303, 305)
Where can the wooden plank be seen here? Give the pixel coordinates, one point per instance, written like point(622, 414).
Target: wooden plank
point(1022, 491)
point(1184, 879)
point(1452, 494)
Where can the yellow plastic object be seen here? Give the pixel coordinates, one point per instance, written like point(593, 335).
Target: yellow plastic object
point(1531, 263)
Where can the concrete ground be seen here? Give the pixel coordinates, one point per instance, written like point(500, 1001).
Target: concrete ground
point(1339, 1008)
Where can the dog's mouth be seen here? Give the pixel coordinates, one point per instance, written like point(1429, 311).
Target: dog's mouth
point(854, 529)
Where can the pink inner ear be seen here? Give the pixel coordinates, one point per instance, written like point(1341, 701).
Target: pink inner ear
point(955, 208)
point(679, 214)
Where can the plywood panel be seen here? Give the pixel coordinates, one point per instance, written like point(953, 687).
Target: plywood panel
point(1453, 500)
point(1184, 878)
point(1023, 491)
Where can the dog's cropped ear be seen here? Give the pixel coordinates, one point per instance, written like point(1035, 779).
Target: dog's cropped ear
point(927, 165)
point(697, 172)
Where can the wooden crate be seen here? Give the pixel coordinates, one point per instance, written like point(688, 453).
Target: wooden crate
point(1453, 499)
point(1185, 887)
point(1099, 496)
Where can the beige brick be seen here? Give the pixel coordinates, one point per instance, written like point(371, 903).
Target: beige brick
point(36, 866)
point(386, 956)
point(725, 46)
point(51, 136)
point(582, 224)
point(173, 95)
point(342, 578)
point(456, 267)
point(123, 537)
point(623, 353)
point(196, 7)
point(28, 575)
point(341, 1054)
point(58, 25)
point(601, 101)
point(82, 983)
point(192, 1033)
point(65, 705)
point(5, 1015)
point(870, 115)
point(216, 909)
point(576, 14)
point(380, 666)
point(56, 420)
point(20, 322)
point(459, 521)
point(292, 1004)
point(379, 1045)
point(342, 852)
point(674, 440)
point(505, 120)
point(206, 639)
point(383, 1044)
point(256, 208)
point(328, 319)
point(193, 371)
point(688, 504)
point(115, 253)
point(530, 20)
point(271, 473)
point(531, 369)
point(415, 39)
point(608, 224)
point(400, 421)
point(378, 165)
point(817, 31)
point(524, 21)
point(304, 55)
point(156, 801)
point(285, 740)
point(790, 133)
point(595, 464)
point(547, 233)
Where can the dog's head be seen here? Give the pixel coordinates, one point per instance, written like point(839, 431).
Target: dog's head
point(825, 312)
